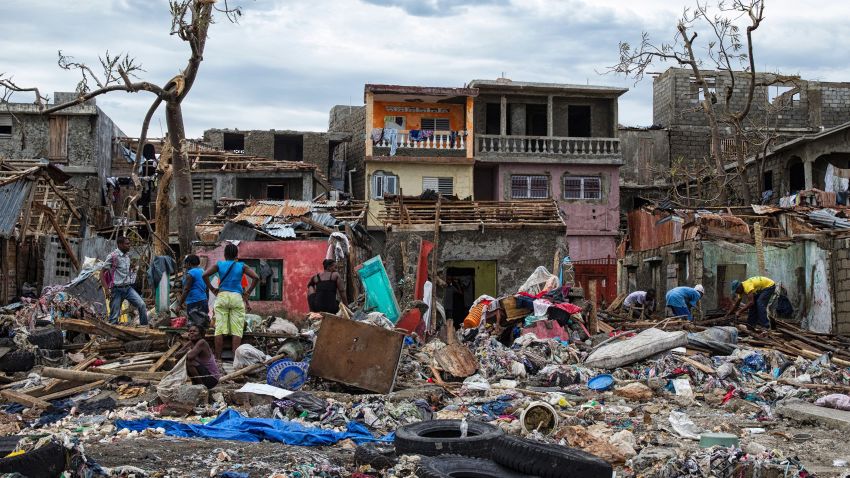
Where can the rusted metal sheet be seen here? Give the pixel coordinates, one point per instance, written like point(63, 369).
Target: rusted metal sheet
point(357, 354)
point(12, 199)
point(649, 231)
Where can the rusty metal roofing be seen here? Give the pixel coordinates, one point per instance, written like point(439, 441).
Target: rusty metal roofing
point(12, 198)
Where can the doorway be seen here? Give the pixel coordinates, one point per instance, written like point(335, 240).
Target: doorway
point(460, 293)
point(578, 121)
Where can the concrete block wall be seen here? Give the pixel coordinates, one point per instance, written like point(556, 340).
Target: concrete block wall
point(351, 119)
point(841, 286)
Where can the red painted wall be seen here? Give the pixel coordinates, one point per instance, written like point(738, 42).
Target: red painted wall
point(301, 260)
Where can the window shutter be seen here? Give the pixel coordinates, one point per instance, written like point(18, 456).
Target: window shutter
point(377, 186)
point(58, 147)
point(444, 186)
point(435, 124)
point(572, 187)
point(390, 183)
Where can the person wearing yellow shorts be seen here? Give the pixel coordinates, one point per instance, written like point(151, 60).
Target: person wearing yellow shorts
point(231, 299)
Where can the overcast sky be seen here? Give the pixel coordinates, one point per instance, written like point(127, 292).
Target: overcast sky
point(287, 62)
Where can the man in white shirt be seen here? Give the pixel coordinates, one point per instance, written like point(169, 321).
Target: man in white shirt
point(117, 279)
point(639, 302)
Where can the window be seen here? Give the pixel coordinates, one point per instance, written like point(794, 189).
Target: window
point(397, 122)
point(578, 121)
point(5, 126)
point(58, 147)
point(444, 186)
point(203, 189)
point(435, 124)
point(234, 142)
point(582, 187)
point(271, 279)
point(699, 92)
point(529, 187)
point(276, 192)
point(779, 94)
point(383, 184)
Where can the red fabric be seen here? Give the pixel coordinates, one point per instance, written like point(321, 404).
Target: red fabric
point(568, 308)
point(178, 322)
point(526, 294)
point(422, 269)
point(547, 329)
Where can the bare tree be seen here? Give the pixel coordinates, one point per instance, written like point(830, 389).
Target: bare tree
point(727, 51)
point(190, 21)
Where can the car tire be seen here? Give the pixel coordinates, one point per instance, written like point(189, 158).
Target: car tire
point(46, 338)
point(440, 437)
point(17, 361)
point(377, 455)
point(549, 461)
point(453, 466)
point(45, 462)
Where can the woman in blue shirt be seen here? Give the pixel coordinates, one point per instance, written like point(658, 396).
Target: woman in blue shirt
point(231, 299)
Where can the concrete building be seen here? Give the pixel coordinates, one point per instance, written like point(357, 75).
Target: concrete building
point(316, 148)
point(558, 141)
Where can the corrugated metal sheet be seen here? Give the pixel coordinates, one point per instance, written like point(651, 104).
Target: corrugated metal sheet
point(649, 231)
point(324, 219)
point(827, 218)
point(281, 231)
point(12, 198)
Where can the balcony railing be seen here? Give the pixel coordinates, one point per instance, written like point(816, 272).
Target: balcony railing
point(438, 140)
point(552, 145)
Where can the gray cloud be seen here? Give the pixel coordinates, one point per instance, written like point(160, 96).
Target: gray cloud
point(431, 8)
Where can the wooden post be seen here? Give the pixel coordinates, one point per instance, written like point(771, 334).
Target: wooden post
point(75, 375)
point(592, 323)
point(62, 239)
point(354, 284)
point(759, 242)
point(24, 399)
point(174, 348)
point(435, 253)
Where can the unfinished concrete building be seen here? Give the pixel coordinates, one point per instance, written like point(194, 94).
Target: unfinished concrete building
point(316, 148)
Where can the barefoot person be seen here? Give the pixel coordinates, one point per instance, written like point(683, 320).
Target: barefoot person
point(231, 299)
point(200, 363)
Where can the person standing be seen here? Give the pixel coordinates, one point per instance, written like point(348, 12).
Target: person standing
point(231, 299)
point(682, 299)
point(194, 294)
point(118, 279)
point(758, 291)
point(323, 288)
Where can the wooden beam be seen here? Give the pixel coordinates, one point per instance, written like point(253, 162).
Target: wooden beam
point(74, 375)
point(139, 374)
point(24, 399)
point(73, 391)
point(80, 366)
point(168, 353)
point(62, 239)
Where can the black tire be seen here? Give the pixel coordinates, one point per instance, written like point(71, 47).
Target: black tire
point(46, 338)
point(45, 462)
point(451, 466)
point(550, 461)
point(17, 361)
point(376, 455)
point(440, 437)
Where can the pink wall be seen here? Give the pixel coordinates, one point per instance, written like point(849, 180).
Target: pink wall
point(592, 225)
point(301, 260)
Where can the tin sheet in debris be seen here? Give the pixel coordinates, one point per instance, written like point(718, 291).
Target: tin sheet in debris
point(283, 231)
point(826, 218)
point(324, 219)
point(12, 198)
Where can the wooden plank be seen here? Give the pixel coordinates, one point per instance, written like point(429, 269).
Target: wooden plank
point(156, 366)
point(695, 364)
point(73, 391)
point(139, 374)
point(80, 366)
point(592, 323)
point(74, 375)
point(24, 399)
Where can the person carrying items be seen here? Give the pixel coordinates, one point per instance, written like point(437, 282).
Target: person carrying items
point(231, 299)
point(758, 291)
point(118, 279)
point(323, 288)
point(682, 299)
point(200, 363)
point(194, 294)
point(640, 303)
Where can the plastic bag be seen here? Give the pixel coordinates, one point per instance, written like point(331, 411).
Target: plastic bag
point(684, 426)
point(247, 355)
point(171, 383)
point(540, 280)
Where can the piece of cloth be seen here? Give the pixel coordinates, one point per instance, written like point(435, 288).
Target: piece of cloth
point(198, 292)
point(119, 263)
point(119, 295)
point(377, 135)
point(681, 312)
point(229, 314)
point(568, 308)
point(324, 299)
point(415, 135)
point(198, 313)
point(682, 297)
point(757, 314)
point(160, 265)
point(635, 299)
point(756, 284)
point(391, 136)
point(230, 425)
point(541, 306)
point(230, 280)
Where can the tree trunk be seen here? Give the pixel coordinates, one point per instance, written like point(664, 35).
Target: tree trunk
point(163, 205)
point(182, 176)
point(743, 176)
point(718, 157)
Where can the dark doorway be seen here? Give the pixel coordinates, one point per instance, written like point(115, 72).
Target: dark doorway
point(483, 181)
point(460, 293)
point(234, 142)
point(578, 121)
point(493, 119)
point(535, 120)
point(796, 177)
point(288, 147)
point(767, 181)
point(276, 192)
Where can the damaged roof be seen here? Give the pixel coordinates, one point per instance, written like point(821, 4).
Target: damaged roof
point(413, 213)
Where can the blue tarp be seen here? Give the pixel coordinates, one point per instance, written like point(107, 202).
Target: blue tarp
point(230, 425)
